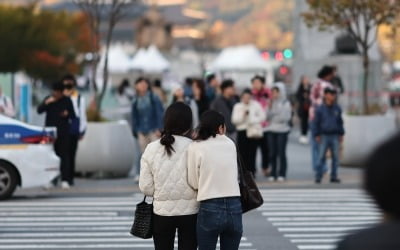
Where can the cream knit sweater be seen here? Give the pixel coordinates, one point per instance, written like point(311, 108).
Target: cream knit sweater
point(212, 168)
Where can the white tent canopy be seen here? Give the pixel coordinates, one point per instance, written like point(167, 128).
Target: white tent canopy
point(118, 60)
point(240, 58)
point(150, 61)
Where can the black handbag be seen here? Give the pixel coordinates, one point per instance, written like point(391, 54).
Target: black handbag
point(143, 223)
point(250, 195)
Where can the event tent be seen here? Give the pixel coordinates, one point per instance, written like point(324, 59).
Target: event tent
point(118, 60)
point(240, 58)
point(149, 61)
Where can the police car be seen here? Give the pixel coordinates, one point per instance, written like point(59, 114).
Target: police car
point(27, 157)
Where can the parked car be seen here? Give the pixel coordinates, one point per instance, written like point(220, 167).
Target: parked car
point(27, 157)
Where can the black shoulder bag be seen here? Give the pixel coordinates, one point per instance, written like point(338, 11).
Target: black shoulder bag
point(250, 195)
point(143, 223)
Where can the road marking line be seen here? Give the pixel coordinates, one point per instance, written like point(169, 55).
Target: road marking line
point(66, 223)
point(346, 223)
point(316, 235)
point(65, 234)
point(332, 240)
point(34, 219)
point(316, 247)
point(316, 208)
point(321, 203)
point(62, 228)
point(61, 213)
point(321, 213)
point(66, 209)
point(317, 229)
point(336, 218)
point(80, 246)
point(67, 204)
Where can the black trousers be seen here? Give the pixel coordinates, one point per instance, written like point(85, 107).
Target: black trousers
point(248, 149)
point(304, 115)
point(62, 148)
point(164, 229)
point(263, 144)
point(277, 146)
point(74, 140)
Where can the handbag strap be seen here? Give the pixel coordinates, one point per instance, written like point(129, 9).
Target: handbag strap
point(144, 199)
point(240, 166)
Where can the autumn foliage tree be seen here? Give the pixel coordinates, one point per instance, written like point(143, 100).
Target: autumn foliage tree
point(44, 44)
point(361, 18)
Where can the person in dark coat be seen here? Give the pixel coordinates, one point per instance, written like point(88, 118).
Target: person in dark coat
point(381, 181)
point(328, 131)
point(224, 105)
point(337, 80)
point(59, 112)
point(304, 102)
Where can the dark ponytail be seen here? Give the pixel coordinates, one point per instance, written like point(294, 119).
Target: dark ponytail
point(177, 121)
point(167, 139)
point(210, 122)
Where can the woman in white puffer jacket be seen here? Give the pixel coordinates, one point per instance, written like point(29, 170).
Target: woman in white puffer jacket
point(163, 176)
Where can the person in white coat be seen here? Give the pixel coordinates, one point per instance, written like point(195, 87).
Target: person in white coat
point(248, 116)
point(163, 175)
point(78, 124)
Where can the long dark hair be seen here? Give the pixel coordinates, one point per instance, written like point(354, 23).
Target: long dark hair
point(124, 84)
point(210, 122)
point(200, 84)
point(177, 121)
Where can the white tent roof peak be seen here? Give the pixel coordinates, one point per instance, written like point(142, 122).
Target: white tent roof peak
point(118, 60)
point(150, 61)
point(242, 58)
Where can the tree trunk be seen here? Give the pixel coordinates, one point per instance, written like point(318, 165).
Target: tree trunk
point(105, 69)
point(366, 63)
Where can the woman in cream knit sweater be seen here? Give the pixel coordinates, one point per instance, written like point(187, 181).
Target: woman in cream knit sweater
point(163, 175)
point(212, 170)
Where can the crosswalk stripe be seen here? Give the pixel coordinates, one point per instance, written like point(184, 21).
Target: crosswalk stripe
point(320, 203)
point(73, 223)
point(325, 208)
point(323, 213)
point(316, 247)
point(331, 240)
point(315, 235)
point(57, 219)
point(333, 218)
point(61, 213)
point(76, 208)
point(318, 229)
point(323, 223)
point(64, 234)
point(318, 218)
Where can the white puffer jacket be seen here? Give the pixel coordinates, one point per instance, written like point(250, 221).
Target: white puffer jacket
point(165, 178)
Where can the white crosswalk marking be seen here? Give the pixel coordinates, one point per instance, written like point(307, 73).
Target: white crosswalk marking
point(73, 223)
point(318, 218)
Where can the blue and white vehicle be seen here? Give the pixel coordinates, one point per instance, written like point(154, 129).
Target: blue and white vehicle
point(27, 157)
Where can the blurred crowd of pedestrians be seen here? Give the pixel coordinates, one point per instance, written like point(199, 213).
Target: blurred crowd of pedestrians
point(258, 118)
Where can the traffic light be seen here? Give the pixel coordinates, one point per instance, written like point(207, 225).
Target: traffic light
point(279, 56)
point(265, 55)
point(288, 54)
point(283, 70)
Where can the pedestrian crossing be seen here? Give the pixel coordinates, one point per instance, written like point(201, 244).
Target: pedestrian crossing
point(73, 223)
point(318, 218)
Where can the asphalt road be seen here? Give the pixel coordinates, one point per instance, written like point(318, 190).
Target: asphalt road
point(301, 218)
point(97, 214)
